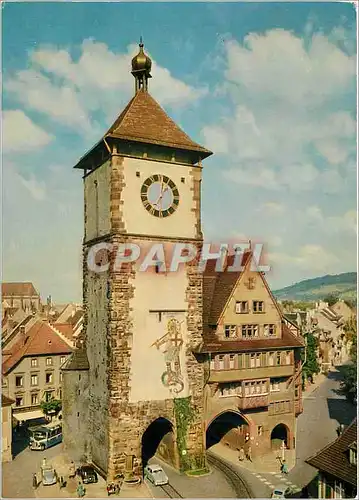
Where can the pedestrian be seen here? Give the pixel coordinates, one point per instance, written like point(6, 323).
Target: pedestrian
point(242, 455)
point(72, 470)
point(284, 467)
point(249, 453)
point(34, 481)
point(44, 463)
point(80, 490)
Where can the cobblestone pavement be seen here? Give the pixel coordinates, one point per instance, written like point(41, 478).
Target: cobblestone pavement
point(17, 475)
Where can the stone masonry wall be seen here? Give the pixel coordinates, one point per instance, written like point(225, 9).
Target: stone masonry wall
point(75, 413)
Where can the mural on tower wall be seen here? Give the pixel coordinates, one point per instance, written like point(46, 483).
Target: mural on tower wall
point(158, 358)
point(170, 344)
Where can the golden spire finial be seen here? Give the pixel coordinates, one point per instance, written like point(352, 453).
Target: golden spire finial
point(141, 68)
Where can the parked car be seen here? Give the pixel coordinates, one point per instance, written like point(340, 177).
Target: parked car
point(87, 474)
point(49, 477)
point(156, 474)
point(280, 491)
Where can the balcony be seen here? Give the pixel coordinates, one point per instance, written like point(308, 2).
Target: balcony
point(249, 402)
point(251, 373)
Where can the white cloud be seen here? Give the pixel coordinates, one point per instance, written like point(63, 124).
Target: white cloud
point(278, 63)
point(272, 208)
point(37, 189)
point(311, 257)
point(331, 224)
point(287, 97)
point(70, 91)
point(21, 134)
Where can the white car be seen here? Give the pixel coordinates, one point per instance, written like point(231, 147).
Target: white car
point(156, 475)
point(280, 491)
point(48, 476)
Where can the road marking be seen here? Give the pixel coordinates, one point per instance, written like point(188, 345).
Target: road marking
point(262, 479)
point(269, 484)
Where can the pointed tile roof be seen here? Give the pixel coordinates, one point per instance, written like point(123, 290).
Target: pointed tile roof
point(77, 361)
point(18, 289)
point(334, 458)
point(144, 120)
point(40, 339)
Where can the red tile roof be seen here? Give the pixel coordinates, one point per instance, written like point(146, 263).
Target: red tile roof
point(144, 120)
point(40, 339)
point(66, 330)
point(334, 458)
point(18, 290)
point(218, 287)
point(213, 344)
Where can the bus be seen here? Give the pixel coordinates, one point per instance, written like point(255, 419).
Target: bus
point(45, 436)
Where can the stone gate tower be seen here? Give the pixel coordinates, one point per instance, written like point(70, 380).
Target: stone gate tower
point(136, 367)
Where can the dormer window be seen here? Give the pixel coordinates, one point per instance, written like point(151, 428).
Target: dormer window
point(353, 455)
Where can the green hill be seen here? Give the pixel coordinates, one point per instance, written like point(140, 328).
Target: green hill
point(344, 285)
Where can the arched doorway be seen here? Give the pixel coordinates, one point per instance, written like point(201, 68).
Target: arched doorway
point(279, 434)
point(158, 438)
point(230, 428)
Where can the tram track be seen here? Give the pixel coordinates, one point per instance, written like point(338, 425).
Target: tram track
point(170, 491)
point(240, 487)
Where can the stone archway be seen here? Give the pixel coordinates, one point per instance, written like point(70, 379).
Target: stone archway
point(279, 434)
point(230, 428)
point(158, 438)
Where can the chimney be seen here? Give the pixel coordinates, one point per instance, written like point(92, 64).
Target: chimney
point(23, 334)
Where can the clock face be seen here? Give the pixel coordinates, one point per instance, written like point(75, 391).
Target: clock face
point(160, 195)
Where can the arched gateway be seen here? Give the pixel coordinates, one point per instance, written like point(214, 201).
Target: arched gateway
point(230, 428)
point(158, 438)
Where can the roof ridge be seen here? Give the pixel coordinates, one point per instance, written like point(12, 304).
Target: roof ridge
point(182, 141)
point(61, 335)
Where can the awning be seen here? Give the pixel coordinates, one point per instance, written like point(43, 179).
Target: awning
point(28, 415)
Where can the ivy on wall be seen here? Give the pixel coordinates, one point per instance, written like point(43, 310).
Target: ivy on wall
point(184, 416)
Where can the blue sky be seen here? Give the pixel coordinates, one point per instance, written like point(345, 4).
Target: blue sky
point(269, 87)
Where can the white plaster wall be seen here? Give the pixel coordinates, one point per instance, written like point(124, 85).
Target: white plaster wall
point(260, 292)
point(155, 291)
point(102, 176)
point(137, 220)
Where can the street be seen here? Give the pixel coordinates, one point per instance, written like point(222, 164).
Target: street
point(324, 409)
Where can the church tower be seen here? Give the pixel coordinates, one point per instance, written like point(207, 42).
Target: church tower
point(136, 385)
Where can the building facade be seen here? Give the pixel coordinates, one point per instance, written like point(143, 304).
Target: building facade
point(6, 428)
point(20, 296)
point(254, 373)
point(31, 370)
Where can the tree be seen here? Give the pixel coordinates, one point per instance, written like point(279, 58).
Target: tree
point(349, 383)
point(51, 407)
point(311, 365)
point(331, 299)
